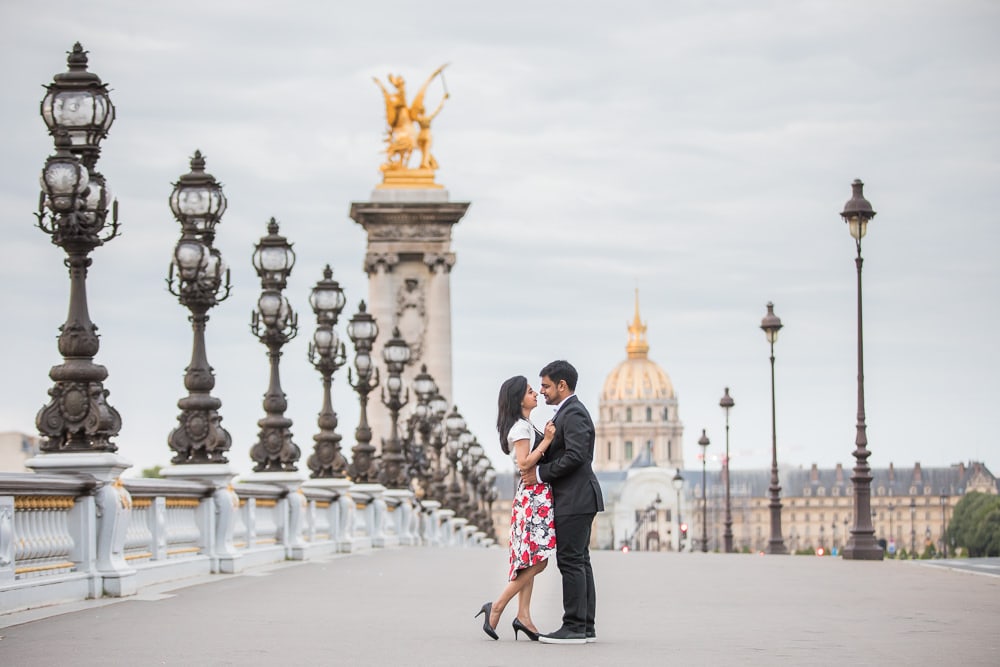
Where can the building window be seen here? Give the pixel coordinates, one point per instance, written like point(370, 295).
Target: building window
point(628, 450)
point(628, 414)
point(666, 415)
point(649, 414)
point(609, 451)
point(649, 449)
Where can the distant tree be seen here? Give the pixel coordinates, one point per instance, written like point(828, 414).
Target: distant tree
point(975, 524)
point(152, 472)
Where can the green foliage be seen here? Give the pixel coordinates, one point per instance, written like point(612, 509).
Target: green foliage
point(975, 524)
point(929, 552)
point(152, 472)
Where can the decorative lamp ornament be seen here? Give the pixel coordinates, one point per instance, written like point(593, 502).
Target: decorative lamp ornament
point(78, 103)
point(197, 200)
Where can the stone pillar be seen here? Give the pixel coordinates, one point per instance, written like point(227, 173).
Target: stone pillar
point(408, 262)
point(113, 505)
point(225, 504)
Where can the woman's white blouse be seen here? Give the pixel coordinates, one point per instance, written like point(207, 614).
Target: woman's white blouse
point(521, 430)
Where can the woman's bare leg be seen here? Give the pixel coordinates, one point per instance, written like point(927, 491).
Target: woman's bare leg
point(524, 578)
point(524, 603)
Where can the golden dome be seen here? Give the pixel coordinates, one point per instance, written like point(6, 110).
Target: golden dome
point(638, 377)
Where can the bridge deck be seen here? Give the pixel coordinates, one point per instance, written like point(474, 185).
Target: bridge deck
point(415, 606)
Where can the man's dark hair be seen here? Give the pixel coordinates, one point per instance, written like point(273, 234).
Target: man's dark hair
point(560, 370)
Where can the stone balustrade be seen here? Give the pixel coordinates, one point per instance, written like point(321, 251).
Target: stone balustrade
point(54, 546)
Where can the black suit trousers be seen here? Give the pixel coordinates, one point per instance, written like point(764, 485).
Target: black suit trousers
point(573, 556)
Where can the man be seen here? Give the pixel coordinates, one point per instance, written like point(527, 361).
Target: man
point(577, 499)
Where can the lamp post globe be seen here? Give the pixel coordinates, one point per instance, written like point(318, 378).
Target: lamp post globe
point(78, 103)
point(771, 324)
point(862, 545)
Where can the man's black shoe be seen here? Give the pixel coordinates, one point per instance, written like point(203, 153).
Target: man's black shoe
point(563, 636)
point(591, 636)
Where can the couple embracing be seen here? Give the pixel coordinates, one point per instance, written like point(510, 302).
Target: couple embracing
point(554, 506)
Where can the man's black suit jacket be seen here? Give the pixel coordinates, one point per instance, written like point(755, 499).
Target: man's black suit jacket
point(567, 463)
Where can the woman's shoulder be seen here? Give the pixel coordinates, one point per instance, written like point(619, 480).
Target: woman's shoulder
point(521, 429)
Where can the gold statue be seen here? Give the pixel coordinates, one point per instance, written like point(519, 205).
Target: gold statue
point(403, 135)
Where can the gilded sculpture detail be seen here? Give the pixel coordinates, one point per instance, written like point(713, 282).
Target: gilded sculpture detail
point(408, 130)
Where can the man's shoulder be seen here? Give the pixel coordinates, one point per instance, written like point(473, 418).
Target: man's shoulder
point(574, 404)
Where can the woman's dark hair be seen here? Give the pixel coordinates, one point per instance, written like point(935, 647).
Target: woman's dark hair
point(512, 392)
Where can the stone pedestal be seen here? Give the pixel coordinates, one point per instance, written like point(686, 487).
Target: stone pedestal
point(296, 547)
point(430, 522)
point(370, 517)
point(408, 262)
point(113, 504)
point(223, 555)
point(402, 516)
point(341, 511)
point(446, 530)
point(458, 531)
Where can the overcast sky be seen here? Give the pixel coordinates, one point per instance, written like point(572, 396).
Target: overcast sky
point(700, 151)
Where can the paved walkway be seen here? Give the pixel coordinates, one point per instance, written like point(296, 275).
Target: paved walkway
point(415, 607)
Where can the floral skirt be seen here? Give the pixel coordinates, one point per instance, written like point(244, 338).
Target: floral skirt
point(532, 527)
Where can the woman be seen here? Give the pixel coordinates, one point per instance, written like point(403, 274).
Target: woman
point(532, 527)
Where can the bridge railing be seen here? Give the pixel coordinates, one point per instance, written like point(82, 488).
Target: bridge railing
point(70, 537)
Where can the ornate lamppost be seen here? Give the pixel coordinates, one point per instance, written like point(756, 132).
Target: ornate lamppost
point(199, 279)
point(913, 530)
point(771, 324)
point(438, 407)
point(421, 423)
point(396, 354)
point(944, 537)
point(326, 354)
point(861, 545)
point(362, 331)
point(726, 403)
point(73, 209)
point(274, 323)
point(703, 443)
point(892, 532)
point(678, 484)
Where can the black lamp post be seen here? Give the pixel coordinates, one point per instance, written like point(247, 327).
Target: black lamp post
point(274, 323)
point(422, 423)
point(771, 324)
point(454, 429)
point(892, 535)
point(913, 529)
point(726, 403)
point(678, 484)
point(362, 331)
point(73, 209)
point(326, 354)
point(944, 538)
point(703, 443)
point(396, 354)
point(862, 545)
point(199, 279)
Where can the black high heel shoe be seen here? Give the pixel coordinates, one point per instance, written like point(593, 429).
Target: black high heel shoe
point(487, 609)
point(519, 626)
